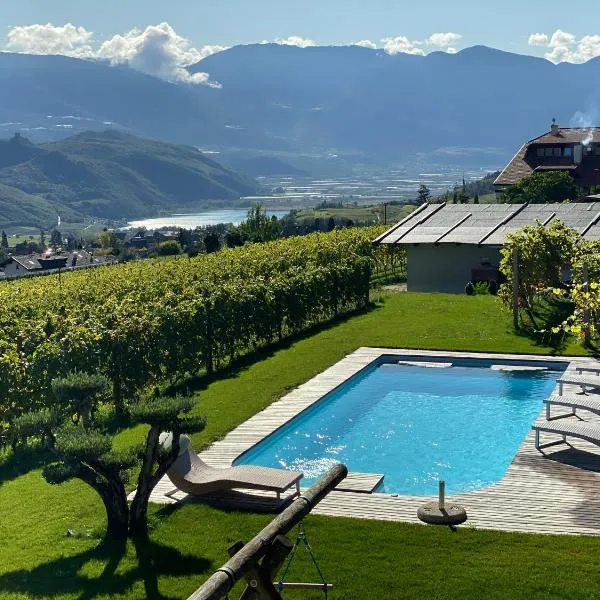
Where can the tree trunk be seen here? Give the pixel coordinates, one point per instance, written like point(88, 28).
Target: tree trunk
point(147, 480)
point(117, 510)
point(138, 513)
point(118, 395)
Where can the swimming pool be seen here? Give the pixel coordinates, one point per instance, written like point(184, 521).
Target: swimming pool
point(416, 425)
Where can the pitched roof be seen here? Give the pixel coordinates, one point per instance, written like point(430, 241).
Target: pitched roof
point(28, 262)
point(520, 167)
point(570, 135)
point(487, 224)
point(77, 258)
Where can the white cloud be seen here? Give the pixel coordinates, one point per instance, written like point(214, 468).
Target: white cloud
point(589, 47)
point(157, 50)
point(451, 50)
point(366, 44)
point(296, 40)
point(444, 39)
point(68, 40)
point(565, 47)
point(209, 50)
point(561, 38)
point(538, 39)
point(401, 44)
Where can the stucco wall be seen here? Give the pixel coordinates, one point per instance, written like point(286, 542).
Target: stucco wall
point(445, 268)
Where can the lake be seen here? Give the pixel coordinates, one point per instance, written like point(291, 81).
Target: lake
point(199, 219)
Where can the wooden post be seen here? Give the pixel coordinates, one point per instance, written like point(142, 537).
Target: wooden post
point(245, 562)
point(515, 269)
point(586, 312)
point(260, 577)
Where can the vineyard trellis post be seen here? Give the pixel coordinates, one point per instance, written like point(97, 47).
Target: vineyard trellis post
point(515, 290)
point(586, 312)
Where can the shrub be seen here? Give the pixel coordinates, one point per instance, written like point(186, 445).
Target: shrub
point(481, 288)
point(169, 248)
point(470, 289)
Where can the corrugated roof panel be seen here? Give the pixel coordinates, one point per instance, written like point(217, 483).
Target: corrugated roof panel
point(466, 235)
point(486, 221)
point(397, 234)
point(593, 233)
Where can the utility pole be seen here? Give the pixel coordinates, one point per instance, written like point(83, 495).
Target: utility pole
point(385, 213)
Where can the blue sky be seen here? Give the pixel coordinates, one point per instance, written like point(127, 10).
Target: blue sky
point(507, 24)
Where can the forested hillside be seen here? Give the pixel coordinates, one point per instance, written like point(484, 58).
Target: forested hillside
point(110, 175)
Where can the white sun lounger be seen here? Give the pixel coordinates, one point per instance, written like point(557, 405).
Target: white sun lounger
point(573, 401)
point(584, 368)
point(585, 381)
point(583, 431)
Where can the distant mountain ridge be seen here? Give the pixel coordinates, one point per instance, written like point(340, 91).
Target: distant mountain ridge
point(357, 98)
point(108, 175)
point(480, 103)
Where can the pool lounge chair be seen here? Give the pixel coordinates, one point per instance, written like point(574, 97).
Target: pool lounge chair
point(584, 431)
point(190, 474)
point(587, 402)
point(585, 381)
point(585, 368)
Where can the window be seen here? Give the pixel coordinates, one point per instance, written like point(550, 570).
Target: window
point(548, 151)
point(596, 149)
point(568, 151)
point(556, 151)
point(540, 152)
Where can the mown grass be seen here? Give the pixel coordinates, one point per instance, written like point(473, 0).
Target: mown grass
point(364, 559)
point(359, 214)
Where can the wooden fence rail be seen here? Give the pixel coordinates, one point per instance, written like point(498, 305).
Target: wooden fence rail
point(268, 545)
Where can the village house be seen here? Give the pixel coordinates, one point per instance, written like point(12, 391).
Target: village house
point(19, 266)
point(575, 150)
point(146, 239)
point(449, 245)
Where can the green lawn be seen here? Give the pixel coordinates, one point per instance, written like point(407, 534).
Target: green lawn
point(364, 559)
point(360, 214)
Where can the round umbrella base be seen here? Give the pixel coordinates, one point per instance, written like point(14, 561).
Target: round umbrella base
point(451, 514)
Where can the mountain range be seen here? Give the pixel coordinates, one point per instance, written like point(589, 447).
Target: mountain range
point(109, 175)
point(480, 103)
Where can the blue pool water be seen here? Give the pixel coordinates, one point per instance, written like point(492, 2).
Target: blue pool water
point(416, 425)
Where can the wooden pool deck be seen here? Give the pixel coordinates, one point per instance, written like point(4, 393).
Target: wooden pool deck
point(554, 494)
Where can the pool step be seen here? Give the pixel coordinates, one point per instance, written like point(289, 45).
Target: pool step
point(364, 483)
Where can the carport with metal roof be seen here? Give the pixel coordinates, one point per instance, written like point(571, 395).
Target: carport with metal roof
point(448, 243)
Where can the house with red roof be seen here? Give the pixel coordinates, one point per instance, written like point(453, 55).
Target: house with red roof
point(575, 150)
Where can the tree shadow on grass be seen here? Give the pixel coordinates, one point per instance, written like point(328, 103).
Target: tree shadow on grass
point(18, 462)
point(63, 576)
point(549, 314)
point(555, 344)
point(202, 381)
